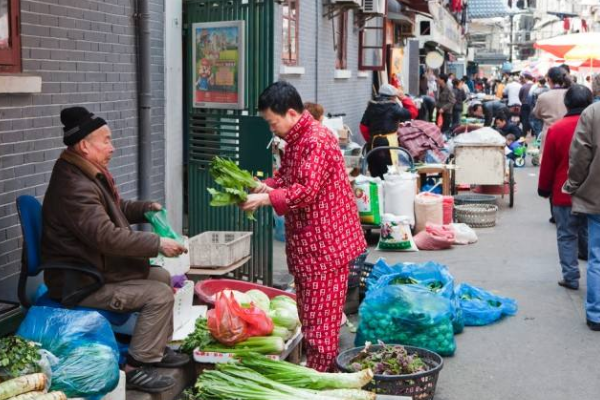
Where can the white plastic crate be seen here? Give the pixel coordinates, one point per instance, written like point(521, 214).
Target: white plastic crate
point(219, 249)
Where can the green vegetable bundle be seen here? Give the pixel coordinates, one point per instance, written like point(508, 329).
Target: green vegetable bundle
point(233, 381)
point(18, 357)
point(235, 182)
point(408, 315)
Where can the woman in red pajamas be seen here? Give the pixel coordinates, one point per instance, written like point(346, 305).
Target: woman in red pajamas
point(323, 230)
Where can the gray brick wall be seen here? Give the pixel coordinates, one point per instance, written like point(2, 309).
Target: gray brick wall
point(348, 96)
point(85, 52)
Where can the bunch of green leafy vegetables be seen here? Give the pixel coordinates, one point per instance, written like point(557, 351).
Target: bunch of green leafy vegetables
point(200, 338)
point(18, 356)
point(234, 180)
point(388, 360)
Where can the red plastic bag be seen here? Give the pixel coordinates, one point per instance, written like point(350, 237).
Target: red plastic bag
point(435, 237)
point(257, 321)
point(440, 120)
point(224, 323)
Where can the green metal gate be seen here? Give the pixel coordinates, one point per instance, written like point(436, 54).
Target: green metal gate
point(238, 134)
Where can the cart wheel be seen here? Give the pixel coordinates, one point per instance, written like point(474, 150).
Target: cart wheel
point(520, 162)
point(511, 185)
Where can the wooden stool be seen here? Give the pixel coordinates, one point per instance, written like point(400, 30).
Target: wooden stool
point(444, 172)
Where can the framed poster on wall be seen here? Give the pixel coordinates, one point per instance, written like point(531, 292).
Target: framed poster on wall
point(218, 64)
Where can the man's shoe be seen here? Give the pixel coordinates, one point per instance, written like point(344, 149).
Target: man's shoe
point(552, 220)
point(148, 379)
point(567, 285)
point(595, 326)
point(173, 359)
point(583, 257)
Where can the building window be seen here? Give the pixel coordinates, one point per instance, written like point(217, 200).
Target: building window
point(290, 32)
point(10, 39)
point(372, 45)
point(341, 41)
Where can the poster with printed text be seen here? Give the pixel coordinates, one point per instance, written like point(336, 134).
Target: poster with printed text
point(218, 70)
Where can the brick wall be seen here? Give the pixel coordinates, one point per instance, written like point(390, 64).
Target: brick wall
point(85, 52)
point(348, 96)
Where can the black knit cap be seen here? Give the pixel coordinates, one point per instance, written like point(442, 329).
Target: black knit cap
point(79, 123)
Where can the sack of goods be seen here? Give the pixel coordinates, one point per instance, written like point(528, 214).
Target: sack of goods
point(400, 191)
point(464, 234)
point(435, 237)
point(429, 207)
point(368, 193)
point(409, 315)
point(481, 307)
point(395, 234)
point(430, 275)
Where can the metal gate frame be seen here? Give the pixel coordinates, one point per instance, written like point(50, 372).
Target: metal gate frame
point(238, 134)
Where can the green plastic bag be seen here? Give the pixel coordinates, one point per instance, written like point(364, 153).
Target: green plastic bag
point(409, 315)
point(160, 225)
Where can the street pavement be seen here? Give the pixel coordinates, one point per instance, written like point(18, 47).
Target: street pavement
point(546, 351)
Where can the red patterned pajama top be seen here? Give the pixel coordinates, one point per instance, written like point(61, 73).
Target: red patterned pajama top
point(323, 232)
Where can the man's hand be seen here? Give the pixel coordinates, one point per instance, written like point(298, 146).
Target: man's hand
point(261, 188)
point(171, 248)
point(255, 201)
point(155, 207)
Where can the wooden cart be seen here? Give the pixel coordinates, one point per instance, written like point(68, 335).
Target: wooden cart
point(484, 164)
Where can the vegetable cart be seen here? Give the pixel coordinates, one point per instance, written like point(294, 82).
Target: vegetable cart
point(364, 169)
point(484, 164)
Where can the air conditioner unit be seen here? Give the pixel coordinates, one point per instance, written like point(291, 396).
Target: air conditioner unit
point(354, 3)
point(373, 7)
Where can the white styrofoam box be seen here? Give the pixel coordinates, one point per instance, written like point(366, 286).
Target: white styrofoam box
point(184, 299)
point(175, 265)
point(184, 331)
point(211, 357)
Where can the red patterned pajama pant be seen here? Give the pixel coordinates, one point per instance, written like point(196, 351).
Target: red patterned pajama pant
point(321, 298)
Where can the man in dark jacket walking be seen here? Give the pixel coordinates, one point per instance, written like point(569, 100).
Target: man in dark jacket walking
point(379, 125)
point(86, 222)
point(445, 102)
point(460, 96)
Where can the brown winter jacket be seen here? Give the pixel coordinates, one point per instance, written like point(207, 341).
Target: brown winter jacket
point(81, 223)
point(584, 163)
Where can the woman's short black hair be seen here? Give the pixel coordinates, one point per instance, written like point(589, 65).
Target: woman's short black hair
point(559, 76)
point(279, 97)
point(578, 96)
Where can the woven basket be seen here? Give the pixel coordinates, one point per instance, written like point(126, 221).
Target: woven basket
point(476, 215)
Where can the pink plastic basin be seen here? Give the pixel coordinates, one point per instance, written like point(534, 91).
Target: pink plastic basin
point(206, 290)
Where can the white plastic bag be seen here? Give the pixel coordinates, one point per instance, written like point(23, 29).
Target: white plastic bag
point(395, 234)
point(368, 193)
point(399, 192)
point(463, 234)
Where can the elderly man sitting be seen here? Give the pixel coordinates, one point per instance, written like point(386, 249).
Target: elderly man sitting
point(86, 222)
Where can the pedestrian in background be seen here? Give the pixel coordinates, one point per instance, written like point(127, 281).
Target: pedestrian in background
point(596, 88)
point(445, 103)
point(550, 106)
point(460, 97)
point(583, 185)
point(571, 229)
point(524, 97)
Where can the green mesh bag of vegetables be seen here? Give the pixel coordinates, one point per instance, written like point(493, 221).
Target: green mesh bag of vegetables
point(409, 315)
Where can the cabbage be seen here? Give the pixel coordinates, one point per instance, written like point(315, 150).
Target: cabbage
point(285, 318)
point(284, 303)
point(242, 299)
point(282, 332)
point(260, 299)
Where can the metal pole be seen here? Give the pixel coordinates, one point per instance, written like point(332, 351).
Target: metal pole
point(510, 44)
point(145, 102)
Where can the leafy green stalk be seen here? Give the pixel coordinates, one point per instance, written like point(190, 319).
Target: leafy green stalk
point(302, 377)
point(234, 181)
point(200, 338)
point(18, 356)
